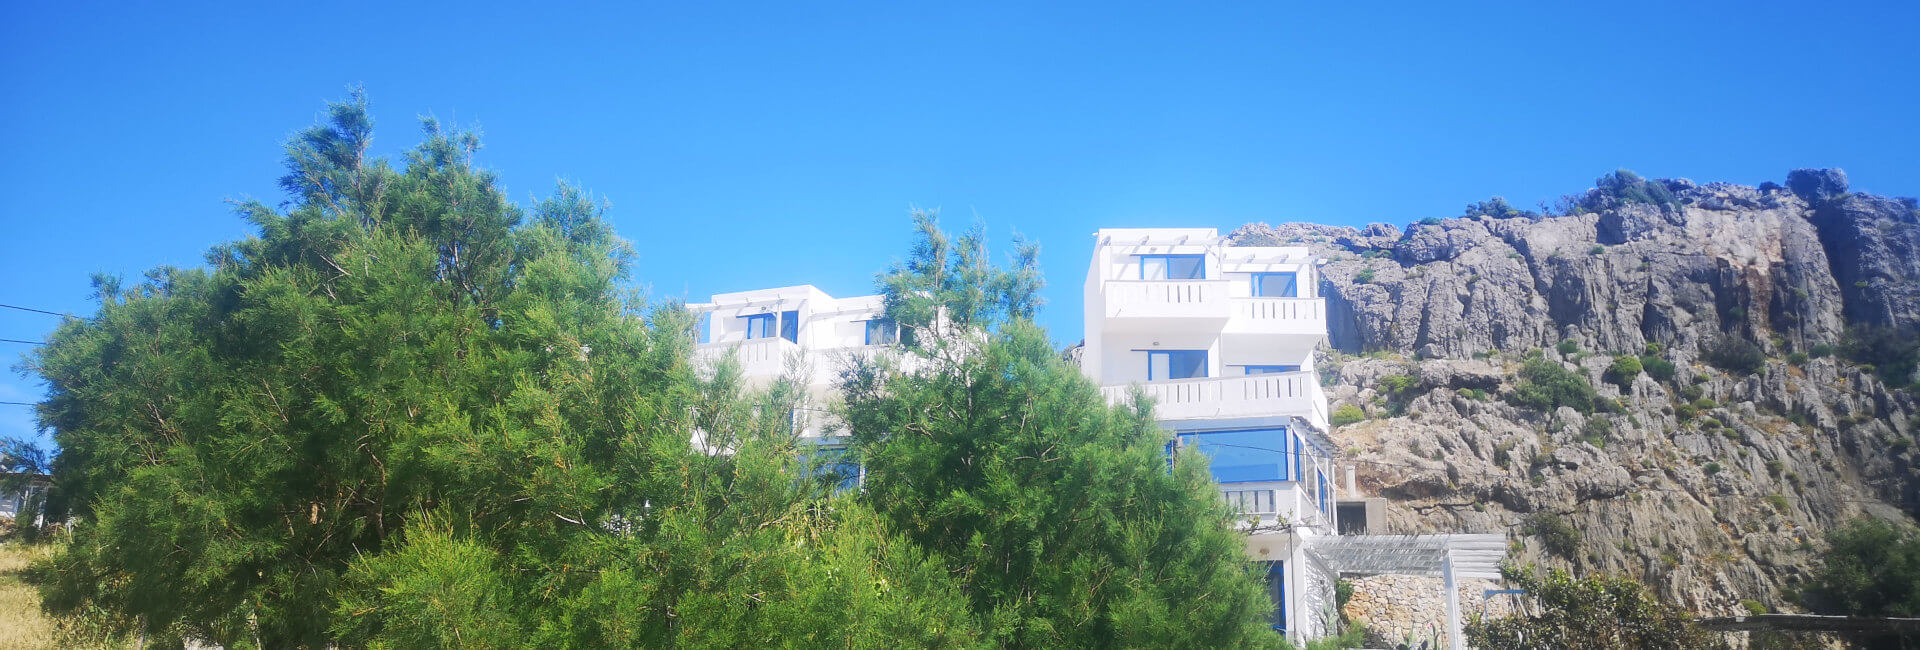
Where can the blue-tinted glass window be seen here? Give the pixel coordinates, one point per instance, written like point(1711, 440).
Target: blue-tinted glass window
point(1268, 370)
point(790, 326)
point(1243, 456)
point(1299, 458)
point(1326, 495)
point(1277, 591)
point(1276, 285)
point(1173, 267)
point(1176, 364)
point(833, 464)
point(759, 326)
point(881, 331)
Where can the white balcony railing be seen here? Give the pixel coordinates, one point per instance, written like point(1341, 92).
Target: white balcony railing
point(1277, 394)
point(1167, 299)
point(1274, 502)
point(1279, 316)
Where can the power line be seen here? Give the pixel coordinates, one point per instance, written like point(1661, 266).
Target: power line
point(37, 311)
point(21, 341)
point(21, 403)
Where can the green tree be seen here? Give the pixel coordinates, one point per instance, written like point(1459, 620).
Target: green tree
point(1872, 568)
point(410, 413)
point(1598, 613)
point(1061, 515)
point(1547, 385)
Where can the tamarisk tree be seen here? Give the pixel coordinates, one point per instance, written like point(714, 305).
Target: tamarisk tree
point(410, 413)
point(1061, 515)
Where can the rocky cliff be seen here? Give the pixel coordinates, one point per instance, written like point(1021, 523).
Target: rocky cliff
point(1712, 479)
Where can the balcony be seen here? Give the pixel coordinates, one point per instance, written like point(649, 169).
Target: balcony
point(1274, 503)
point(764, 357)
point(1167, 300)
point(1218, 398)
point(1303, 316)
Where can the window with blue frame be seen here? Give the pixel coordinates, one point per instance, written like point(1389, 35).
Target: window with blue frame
point(790, 326)
point(1269, 370)
point(1277, 591)
point(1326, 502)
point(1299, 458)
point(882, 331)
point(1173, 267)
point(1276, 285)
point(1176, 364)
point(833, 464)
point(760, 326)
point(1243, 456)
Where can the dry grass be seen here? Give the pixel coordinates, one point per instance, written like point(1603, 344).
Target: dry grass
point(23, 625)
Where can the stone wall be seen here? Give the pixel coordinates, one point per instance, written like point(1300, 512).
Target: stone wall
point(1395, 608)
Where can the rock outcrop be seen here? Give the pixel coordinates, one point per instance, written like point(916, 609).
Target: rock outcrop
point(1711, 485)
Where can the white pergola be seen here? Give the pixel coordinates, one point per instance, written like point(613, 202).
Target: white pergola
point(1448, 556)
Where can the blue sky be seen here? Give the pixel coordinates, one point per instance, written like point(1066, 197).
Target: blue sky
point(753, 145)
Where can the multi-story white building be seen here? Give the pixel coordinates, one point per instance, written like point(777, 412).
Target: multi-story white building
point(1221, 338)
point(800, 332)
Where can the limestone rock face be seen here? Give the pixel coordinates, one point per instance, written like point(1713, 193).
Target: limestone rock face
point(1711, 486)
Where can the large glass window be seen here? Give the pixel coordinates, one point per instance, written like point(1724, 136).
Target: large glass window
point(1243, 456)
point(1176, 364)
point(832, 463)
point(1173, 267)
point(1277, 591)
point(1276, 285)
point(882, 331)
point(1269, 370)
point(759, 326)
point(790, 326)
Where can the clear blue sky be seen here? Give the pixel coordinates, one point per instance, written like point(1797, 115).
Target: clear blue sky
point(763, 145)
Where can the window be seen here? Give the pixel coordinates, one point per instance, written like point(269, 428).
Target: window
point(759, 326)
point(881, 331)
point(832, 463)
point(1326, 495)
point(1173, 267)
point(1246, 456)
point(1176, 364)
point(1299, 457)
point(1268, 370)
point(790, 325)
point(1277, 592)
point(1276, 285)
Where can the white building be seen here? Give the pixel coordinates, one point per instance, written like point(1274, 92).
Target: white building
point(801, 332)
point(1221, 338)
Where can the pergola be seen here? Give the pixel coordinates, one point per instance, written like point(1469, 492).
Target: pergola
point(1448, 556)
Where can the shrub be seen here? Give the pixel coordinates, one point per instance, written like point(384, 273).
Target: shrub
point(1546, 385)
point(1712, 468)
point(1735, 354)
point(1797, 358)
point(1659, 369)
point(1685, 412)
point(1567, 347)
point(1779, 502)
point(1754, 607)
point(1556, 535)
point(1596, 250)
point(1496, 207)
point(1347, 414)
point(1624, 370)
point(1693, 392)
point(1397, 385)
point(1705, 404)
point(1871, 569)
point(1365, 276)
point(1654, 349)
point(1627, 187)
point(1820, 350)
point(1430, 221)
point(1893, 352)
point(1596, 431)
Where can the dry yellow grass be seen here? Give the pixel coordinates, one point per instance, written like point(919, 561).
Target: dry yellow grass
point(23, 625)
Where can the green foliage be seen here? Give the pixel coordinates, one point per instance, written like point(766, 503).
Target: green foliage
point(1711, 468)
point(1872, 568)
point(1494, 208)
point(1596, 250)
point(1753, 607)
point(1894, 353)
point(1627, 187)
point(1659, 369)
point(1546, 385)
point(1429, 221)
point(1059, 515)
point(1567, 346)
point(1797, 358)
point(1736, 354)
point(1596, 431)
point(1355, 636)
point(1779, 502)
point(410, 413)
point(1556, 535)
point(1365, 276)
point(1599, 612)
point(1624, 370)
point(1820, 350)
point(1347, 414)
point(1398, 385)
